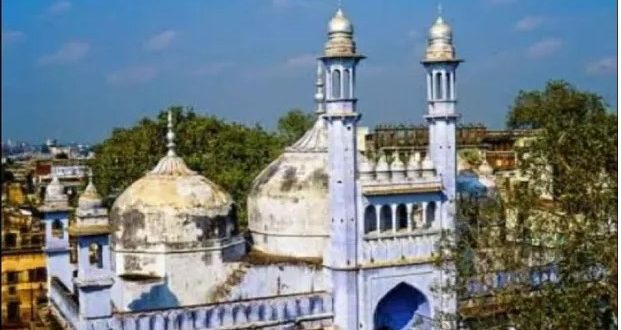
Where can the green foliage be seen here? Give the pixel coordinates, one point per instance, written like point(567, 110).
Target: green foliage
point(573, 158)
point(471, 156)
point(293, 124)
point(229, 154)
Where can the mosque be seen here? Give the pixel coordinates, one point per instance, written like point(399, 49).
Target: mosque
point(339, 239)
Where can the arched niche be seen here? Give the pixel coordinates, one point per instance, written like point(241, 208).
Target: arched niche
point(403, 307)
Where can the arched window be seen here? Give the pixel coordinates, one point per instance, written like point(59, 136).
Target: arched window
point(346, 84)
point(385, 218)
point(402, 217)
point(370, 219)
point(438, 88)
point(57, 229)
point(336, 84)
point(430, 214)
point(416, 216)
point(94, 255)
point(449, 85)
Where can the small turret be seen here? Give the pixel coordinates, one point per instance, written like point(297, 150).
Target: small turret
point(413, 166)
point(397, 169)
point(382, 169)
point(428, 168)
point(367, 169)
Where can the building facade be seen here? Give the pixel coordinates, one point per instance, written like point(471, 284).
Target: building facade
point(339, 238)
point(24, 276)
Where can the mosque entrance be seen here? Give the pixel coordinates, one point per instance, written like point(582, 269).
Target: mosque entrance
point(402, 308)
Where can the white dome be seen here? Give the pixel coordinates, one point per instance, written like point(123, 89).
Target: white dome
point(288, 203)
point(340, 23)
point(171, 206)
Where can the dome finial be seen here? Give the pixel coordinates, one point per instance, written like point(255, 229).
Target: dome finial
point(439, 9)
point(170, 136)
point(90, 176)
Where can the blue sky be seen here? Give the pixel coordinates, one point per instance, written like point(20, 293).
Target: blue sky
point(73, 70)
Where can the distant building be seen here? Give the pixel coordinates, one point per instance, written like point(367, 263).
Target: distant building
point(24, 276)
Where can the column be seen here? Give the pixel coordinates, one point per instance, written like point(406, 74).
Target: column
point(429, 86)
point(453, 91)
point(423, 215)
point(377, 217)
point(351, 83)
point(342, 82)
point(409, 215)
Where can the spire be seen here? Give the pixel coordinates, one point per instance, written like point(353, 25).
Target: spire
point(171, 164)
point(439, 9)
point(319, 95)
point(170, 136)
point(90, 198)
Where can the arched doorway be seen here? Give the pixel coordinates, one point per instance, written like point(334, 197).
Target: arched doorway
point(401, 308)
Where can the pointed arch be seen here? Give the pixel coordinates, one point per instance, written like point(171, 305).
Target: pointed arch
point(370, 219)
point(95, 255)
point(402, 217)
point(401, 308)
point(385, 218)
point(430, 214)
point(449, 86)
point(336, 84)
point(58, 229)
point(438, 86)
point(346, 92)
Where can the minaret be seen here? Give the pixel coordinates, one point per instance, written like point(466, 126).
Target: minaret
point(440, 63)
point(94, 280)
point(340, 259)
point(55, 214)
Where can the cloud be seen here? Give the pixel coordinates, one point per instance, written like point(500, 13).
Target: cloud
point(544, 48)
point(301, 61)
point(528, 23)
point(68, 52)
point(211, 69)
point(132, 75)
point(602, 66)
point(58, 8)
point(160, 40)
point(12, 36)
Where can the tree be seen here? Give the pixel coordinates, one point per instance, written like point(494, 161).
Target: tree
point(547, 262)
point(293, 124)
point(229, 154)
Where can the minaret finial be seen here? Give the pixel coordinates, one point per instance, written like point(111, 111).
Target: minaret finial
point(340, 4)
point(439, 8)
point(170, 136)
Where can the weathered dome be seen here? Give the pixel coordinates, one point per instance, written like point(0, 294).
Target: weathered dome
point(171, 208)
point(440, 30)
point(340, 37)
point(288, 202)
point(440, 42)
